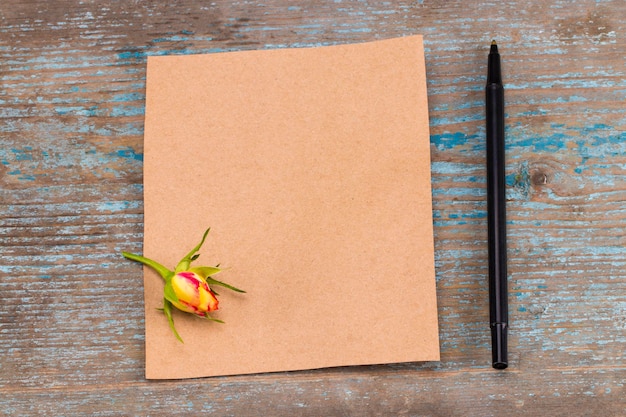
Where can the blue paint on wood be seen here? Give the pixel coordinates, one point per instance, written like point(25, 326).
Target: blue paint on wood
point(139, 55)
point(597, 139)
point(468, 215)
point(449, 140)
point(126, 111)
point(24, 154)
point(134, 96)
point(127, 153)
point(173, 38)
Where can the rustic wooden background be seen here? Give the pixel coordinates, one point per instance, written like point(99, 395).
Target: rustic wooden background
point(72, 98)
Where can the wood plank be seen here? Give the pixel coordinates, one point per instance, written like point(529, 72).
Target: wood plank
point(72, 97)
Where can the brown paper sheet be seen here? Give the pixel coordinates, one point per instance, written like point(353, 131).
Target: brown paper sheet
point(312, 168)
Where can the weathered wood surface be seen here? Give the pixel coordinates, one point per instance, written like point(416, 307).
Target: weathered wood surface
point(71, 122)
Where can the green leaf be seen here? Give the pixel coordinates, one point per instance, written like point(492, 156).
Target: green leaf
point(183, 265)
point(212, 281)
point(167, 309)
point(163, 271)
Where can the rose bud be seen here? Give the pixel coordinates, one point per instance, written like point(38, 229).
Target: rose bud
point(194, 294)
point(186, 287)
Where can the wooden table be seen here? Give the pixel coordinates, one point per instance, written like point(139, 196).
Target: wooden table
point(72, 99)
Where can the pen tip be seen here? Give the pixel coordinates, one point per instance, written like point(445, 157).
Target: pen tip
point(494, 47)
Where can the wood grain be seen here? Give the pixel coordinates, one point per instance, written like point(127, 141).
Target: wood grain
point(72, 97)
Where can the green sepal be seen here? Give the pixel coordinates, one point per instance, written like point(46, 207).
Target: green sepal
point(165, 273)
point(167, 309)
point(212, 281)
point(169, 293)
point(205, 271)
point(206, 315)
point(183, 265)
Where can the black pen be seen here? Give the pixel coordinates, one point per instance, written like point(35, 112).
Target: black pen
point(496, 210)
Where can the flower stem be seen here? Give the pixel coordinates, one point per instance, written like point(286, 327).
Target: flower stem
point(163, 271)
